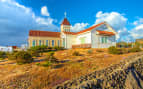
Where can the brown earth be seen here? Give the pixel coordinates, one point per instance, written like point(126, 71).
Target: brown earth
point(31, 76)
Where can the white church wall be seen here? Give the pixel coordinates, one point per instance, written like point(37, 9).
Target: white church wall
point(87, 36)
point(70, 40)
point(96, 39)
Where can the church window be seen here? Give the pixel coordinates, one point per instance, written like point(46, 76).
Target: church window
point(53, 43)
point(40, 42)
point(104, 39)
point(82, 39)
point(58, 42)
point(47, 42)
point(34, 43)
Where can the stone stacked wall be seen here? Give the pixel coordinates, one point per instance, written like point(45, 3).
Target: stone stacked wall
point(128, 74)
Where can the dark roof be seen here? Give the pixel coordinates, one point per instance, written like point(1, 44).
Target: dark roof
point(44, 33)
point(65, 22)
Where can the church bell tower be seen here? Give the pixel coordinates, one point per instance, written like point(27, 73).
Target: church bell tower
point(65, 25)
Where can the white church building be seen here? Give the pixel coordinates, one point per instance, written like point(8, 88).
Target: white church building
point(101, 35)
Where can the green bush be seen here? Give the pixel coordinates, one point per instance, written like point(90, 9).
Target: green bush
point(99, 50)
point(76, 53)
point(11, 56)
point(23, 57)
point(2, 55)
point(34, 53)
point(114, 50)
point(58, 48)
point(51, 53)
point(37, 64)
point(47, 63)
point(1, 58)
point(90, 51)
point(136, 49)
point(39, 48)
point(50, 57)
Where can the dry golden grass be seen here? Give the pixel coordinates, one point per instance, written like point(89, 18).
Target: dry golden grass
point(37, 77)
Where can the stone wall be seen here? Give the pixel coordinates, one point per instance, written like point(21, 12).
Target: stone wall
point(126, 75)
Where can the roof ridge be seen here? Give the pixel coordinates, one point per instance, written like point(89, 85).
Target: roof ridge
point(90, 28)
point(42, 31)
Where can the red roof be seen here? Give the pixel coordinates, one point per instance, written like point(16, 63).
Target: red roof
point(72, 33)
point(14, 47)
point(88, 29)
point(105, 33)
point(65, 22)
point(44, 33)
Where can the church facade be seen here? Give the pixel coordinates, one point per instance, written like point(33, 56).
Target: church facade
point(101, 35)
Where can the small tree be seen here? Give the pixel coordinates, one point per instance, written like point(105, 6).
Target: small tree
point(37, 50)
point(23, 57)
point(2, 55)
point(11, 56)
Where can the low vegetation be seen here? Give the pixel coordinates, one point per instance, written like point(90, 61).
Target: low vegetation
point(20, 57)
point(57, 67)
point(114, 50)
point(99, 50)
point(135, 49)
point(50, 57)
point(23, 57)
point(2, 55)
point(11, 56)
point(90, 51)
point(39, 50)
point(76, 53)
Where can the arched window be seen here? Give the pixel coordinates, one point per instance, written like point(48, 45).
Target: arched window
point(47, 43)
point(53, 43)
point(58, 42)
point(34, 43)
point(40, 43)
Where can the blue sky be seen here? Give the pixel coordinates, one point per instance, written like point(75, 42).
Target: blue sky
point(17, 17)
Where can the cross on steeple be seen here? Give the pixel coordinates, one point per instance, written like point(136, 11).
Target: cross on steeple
point(65, 14)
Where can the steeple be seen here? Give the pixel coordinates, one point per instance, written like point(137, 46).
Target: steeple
point(65, 25)
point(65, 21)
point(65, 14)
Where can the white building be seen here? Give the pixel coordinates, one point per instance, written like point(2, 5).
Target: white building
point(6, 49)
point(101, 35)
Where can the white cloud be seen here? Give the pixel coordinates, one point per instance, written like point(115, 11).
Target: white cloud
point(79, 26)
point(139, 21)
point(44, 11)
point(137, 31)
point(116, 20)
point(44, 21)
point(16, 20)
